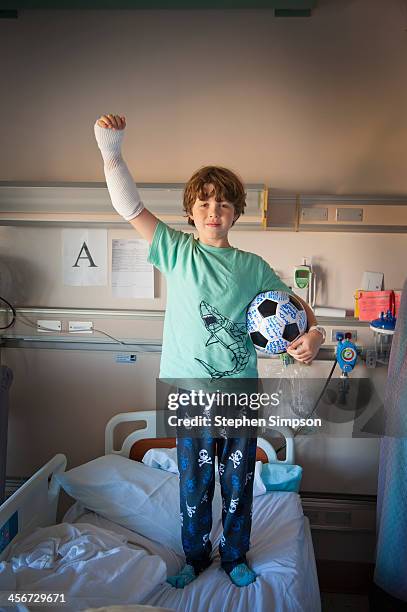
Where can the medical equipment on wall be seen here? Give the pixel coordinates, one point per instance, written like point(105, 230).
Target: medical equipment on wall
point(346, 356)
point(383, 332)
point(304, 282)
point(346, 353)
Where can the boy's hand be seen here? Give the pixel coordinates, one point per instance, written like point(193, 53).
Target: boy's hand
point(109, 133)
point(115, 122)
point(122, 188)
point(306, 348)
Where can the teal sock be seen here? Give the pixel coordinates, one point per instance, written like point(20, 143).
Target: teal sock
point(186, 575)
point(241, 575)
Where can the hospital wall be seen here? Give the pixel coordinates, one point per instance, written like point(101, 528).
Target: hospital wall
point(67, 396)
point(311, 105)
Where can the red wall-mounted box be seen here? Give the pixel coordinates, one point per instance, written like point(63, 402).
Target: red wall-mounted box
point(369, 304)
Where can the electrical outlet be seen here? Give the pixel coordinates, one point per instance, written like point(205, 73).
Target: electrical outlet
point(344, 331)
point(48, 326)
point(80, 327)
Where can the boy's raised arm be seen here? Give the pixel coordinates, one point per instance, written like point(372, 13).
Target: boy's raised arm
point(109, 132)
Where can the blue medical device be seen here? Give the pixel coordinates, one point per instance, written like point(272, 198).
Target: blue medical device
point(346, 353)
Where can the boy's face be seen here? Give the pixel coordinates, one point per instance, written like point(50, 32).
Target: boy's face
point(213, 219)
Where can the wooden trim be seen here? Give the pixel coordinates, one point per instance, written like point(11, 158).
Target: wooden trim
point(139, 448)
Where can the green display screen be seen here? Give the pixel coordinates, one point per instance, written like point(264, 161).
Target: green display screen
point(302, 273)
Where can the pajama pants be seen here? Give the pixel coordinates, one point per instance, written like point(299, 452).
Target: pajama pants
point(196, 463)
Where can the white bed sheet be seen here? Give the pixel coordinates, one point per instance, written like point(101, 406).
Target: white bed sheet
point(281, 553)
point(92, 566)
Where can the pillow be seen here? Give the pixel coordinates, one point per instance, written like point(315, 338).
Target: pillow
point(166, 459)
point(163, 459)
point(281, 477)
point(133, 495)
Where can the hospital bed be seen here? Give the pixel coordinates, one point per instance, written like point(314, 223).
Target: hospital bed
point(96, 561)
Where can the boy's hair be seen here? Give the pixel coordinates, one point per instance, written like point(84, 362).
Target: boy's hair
point(227, 184)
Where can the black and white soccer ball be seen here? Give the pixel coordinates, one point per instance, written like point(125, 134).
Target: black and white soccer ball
point(274, 319)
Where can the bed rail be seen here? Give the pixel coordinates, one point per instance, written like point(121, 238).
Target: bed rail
point(150, 431)
point(33, 505)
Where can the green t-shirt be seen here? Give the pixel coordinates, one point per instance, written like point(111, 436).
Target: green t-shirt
point(208, 292)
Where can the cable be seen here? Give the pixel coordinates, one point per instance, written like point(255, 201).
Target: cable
point(34, 325)
point(113, 338)
point(13, 310)
point(315, 406)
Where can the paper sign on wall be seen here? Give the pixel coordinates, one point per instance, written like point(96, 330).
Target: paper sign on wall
point(84, 257)
point(132, 275)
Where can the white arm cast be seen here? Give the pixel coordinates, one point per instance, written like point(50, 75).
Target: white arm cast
point(122, 188)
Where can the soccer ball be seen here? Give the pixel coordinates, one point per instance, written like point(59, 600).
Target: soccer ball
point(274, 319)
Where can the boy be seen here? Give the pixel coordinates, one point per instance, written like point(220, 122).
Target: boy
point(209, 287)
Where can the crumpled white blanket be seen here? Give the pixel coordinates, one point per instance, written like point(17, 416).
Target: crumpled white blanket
point(93, 566)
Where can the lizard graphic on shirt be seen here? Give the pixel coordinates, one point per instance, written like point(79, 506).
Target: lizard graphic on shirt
point(233, 336)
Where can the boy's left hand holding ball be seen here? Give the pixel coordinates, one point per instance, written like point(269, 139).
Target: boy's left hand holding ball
point(306, 347)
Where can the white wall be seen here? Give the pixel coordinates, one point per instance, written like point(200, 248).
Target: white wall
point(306, 104)
point(31, 268)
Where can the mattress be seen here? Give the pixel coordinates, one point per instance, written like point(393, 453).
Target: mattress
point(281, 554)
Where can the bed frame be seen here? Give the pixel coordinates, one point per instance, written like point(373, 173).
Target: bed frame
point(136, 444)
point(35, 503)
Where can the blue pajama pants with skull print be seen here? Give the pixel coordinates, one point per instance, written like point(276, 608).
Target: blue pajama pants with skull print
point(236, 464)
